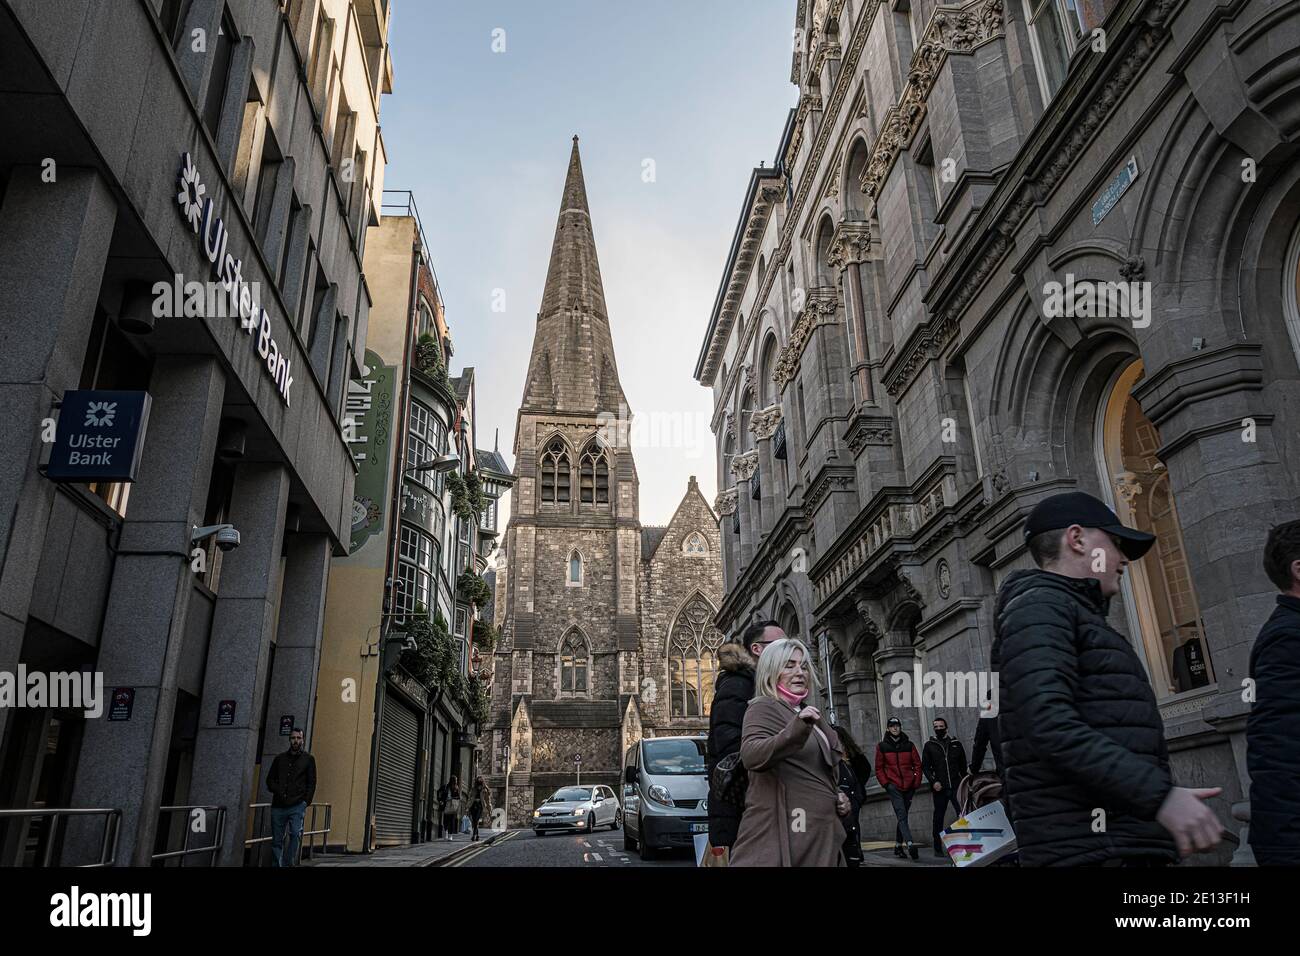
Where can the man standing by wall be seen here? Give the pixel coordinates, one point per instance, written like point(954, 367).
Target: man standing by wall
point(292, 782)
point(1086, 766)
point(1273, 728)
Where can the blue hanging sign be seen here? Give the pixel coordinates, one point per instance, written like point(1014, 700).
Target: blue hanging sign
point(99, 437)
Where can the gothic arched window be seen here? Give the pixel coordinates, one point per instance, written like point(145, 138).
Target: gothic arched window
point(593, 476)
point(556, 473)
point(692, 659)
point(696, 545)
point(574, 578)
point(574, 661)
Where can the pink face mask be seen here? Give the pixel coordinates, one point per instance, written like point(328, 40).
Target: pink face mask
point(789, 696)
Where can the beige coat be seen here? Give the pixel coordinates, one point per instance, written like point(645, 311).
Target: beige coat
point(791, 769)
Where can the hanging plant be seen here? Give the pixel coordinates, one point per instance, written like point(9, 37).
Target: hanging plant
point(461, 504)
point(428, 356)
point(472, 588)
point(485, 635)
point(433, 658)
point(474, 491)
point(476, 701)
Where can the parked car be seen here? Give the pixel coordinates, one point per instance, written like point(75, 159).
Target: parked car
point(665, 794)
point(578, 808)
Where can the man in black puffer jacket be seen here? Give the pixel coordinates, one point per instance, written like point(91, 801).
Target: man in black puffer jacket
point(731, 696)
point(1273, 728)
point(1086, 767)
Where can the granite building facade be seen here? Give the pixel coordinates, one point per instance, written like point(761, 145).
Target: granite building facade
point(229, 150)
point(1010, 248)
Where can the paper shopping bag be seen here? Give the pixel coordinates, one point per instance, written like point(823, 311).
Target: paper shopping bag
point(981, 837)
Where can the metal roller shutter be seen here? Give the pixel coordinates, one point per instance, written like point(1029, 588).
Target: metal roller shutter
point(399, 751)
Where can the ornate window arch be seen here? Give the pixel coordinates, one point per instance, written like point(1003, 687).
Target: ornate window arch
point(575, 568)
point(1159, 594)
point(593, 475)
point(574, 665)
point(1291, 294)
point(556, 473)
point(695, 545)
point(693, 644)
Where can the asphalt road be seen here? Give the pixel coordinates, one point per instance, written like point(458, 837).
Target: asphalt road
point(602, 848)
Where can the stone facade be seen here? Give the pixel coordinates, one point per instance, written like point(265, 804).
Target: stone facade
point(588, 600)
point(891, 291)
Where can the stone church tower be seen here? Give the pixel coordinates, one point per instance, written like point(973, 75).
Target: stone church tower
point(568, 670)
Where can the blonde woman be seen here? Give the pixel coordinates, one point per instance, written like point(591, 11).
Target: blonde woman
point(793, 805)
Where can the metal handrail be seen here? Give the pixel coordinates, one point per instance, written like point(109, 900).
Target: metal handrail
point(406, 207)
point(309, 830)
point(186, 849)
point(107, 847)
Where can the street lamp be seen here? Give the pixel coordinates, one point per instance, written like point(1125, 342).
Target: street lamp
point(442, 464)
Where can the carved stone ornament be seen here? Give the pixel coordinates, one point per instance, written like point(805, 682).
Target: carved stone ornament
point(1128, 487)
point(744, 466)
point(725, 503)
point(850, 243)
point(944, 574)
point(763, 424)
point(788, 361)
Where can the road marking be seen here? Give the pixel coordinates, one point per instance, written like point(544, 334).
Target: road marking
point(591, 858)
point(474, 854)
point(585, 843)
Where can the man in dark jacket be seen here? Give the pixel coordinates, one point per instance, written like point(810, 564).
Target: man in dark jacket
point(292, 782)
point(1273, 728)
point(1086, 767)
point(944, 764)
point(986, 738)
point(898, 768)
point(731, 696)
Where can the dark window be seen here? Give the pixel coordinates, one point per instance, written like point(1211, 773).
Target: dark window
point(556, 473)
point(594, 477)
point(220, 51)
point(172, 17)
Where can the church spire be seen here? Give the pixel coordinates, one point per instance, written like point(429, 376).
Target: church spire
point(572, 368)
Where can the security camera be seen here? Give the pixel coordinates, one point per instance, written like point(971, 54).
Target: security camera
point(227, 535)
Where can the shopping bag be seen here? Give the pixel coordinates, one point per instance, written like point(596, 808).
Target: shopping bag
point(717, 856)
point(702, 848)
point(980, 837)
point(466, 824)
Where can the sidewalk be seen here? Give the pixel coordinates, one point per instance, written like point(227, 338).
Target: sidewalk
point(882, 854)
point(420, 854)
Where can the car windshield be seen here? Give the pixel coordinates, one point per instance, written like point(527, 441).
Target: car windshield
point(674, 756)
point(570, 794)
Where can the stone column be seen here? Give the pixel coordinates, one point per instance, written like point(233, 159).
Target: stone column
point(864, 705)
point(297, 642)
point(743, 468)
point(122, 763)
point(849, 248)
point(53, 242)
point(225, 754)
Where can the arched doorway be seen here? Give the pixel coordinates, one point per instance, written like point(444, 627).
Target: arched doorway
point(1159, 596)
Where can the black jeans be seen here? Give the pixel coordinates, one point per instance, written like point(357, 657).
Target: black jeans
point(902, 803)
point(942, 800)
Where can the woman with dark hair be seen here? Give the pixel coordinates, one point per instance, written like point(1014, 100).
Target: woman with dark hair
point(854, 772)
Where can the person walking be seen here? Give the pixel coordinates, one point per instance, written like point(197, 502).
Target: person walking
point(944, 765)
point(292, 782)
point(731, 696)
point(1086, 766)
point(898, 768)
point(854, 772)
point(1273, 727)
point(480, 800)
point(793, 804)
point(986, 739)
point(449, 796)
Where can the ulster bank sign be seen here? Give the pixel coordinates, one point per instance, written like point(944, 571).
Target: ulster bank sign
point(214, 240)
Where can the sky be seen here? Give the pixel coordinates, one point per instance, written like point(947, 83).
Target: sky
point(674, 101)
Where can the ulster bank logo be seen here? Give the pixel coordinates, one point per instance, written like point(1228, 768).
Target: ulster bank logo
point(190, 197)
point(100, 414)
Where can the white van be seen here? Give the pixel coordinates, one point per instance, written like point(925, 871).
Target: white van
point(665, 794)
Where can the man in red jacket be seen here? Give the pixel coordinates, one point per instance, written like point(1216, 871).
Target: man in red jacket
point(898, 768)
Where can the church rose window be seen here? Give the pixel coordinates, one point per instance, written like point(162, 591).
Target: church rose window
point(692, 659)
point(695, 544)
point(555, 473)
point(573, 665)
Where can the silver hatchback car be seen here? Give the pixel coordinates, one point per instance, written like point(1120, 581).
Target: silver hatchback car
point(578, 808)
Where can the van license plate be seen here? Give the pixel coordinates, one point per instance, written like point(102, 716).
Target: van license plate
point(699, 828)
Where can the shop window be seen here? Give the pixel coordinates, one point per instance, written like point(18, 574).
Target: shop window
point(692, 659)
point(1160, 599)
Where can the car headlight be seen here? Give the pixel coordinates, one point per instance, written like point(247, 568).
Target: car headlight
point(579, 811)
point(660, 794)
point(537, 813)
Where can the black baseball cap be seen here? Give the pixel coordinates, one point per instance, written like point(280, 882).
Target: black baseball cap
point(1081, 508)
point(892, 721)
